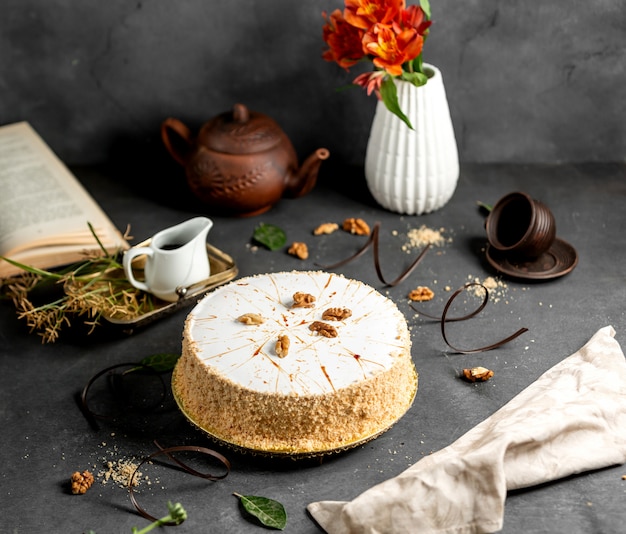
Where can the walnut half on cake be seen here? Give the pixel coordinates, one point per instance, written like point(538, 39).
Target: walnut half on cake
point(324, 393)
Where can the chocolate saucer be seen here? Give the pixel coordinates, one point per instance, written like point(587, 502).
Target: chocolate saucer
point(559, 260)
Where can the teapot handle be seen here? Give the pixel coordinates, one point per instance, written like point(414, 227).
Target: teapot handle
point(183, 133)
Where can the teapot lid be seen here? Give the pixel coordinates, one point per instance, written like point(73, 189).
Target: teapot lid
point(240, 131)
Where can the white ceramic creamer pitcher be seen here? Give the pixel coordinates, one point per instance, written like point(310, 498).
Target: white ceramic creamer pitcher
point(176, 258)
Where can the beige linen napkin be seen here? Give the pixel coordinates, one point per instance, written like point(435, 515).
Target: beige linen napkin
point(571, 419)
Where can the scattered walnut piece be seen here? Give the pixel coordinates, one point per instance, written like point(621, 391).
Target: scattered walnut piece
point(477, 374)
point(299, 250)
point(81, 482)
point(336, 314)
point(356, 226)
point(421, 294)
point(326, 228)
point(282, 346)
point(251, 318)
point(303, 300)
point(323, 329)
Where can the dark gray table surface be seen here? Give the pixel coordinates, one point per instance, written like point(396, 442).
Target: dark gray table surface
point(45, 437)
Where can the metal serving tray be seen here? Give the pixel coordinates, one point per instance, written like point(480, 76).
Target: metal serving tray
point(223, 269)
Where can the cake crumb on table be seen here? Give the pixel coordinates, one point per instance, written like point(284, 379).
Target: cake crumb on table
point(422, 236)
point(120, 472)
point(497, 288)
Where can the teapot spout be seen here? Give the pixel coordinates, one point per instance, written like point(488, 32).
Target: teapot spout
point(303, 181)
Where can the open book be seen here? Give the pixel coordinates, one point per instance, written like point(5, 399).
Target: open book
point(44, 210)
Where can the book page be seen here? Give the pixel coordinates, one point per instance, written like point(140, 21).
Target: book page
point(41, 202)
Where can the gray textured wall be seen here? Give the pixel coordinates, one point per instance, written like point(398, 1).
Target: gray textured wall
point(540, 81)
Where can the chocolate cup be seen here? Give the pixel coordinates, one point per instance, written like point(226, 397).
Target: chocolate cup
point(521, 226)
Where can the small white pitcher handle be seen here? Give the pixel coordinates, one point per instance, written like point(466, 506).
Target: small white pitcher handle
point(127, 261)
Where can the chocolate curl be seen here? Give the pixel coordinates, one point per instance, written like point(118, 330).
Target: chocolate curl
point(406, 273)
point(356, 255)
point(92, 416)
point(445, 319)
point(168, 451)
point(373, 240)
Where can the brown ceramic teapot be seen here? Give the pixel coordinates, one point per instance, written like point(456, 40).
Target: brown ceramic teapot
point(241, 162)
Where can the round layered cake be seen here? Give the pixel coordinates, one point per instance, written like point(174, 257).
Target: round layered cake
point(295, 363)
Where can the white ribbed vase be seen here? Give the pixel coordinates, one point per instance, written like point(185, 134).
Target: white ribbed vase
point(413, 171)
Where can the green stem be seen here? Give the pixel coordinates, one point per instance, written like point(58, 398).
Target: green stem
point(177, 515)
point(95, 236)
point(33, 270)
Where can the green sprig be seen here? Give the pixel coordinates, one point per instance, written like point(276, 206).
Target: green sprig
point(92, 288)
point(176, 515)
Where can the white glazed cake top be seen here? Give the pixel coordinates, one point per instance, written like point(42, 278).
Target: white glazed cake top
point(367, 343)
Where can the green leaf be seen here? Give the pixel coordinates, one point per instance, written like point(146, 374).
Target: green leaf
point(270, 236)
point(416, 78)
point(389, 94)
point(417, 65)
point(268, 511)
point(345, 87)
point(483, 206)
point(161, 362)
point(425, 4)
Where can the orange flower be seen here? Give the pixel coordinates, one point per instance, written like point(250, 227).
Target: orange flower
point(414, 17)
point(343, 40)
point(365, 13)
point(391, 46)
point(371, 81)
point(388, 34)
